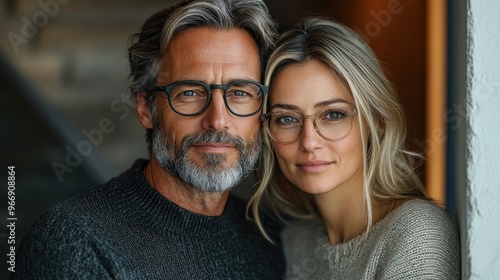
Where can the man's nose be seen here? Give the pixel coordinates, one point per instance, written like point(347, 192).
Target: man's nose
point(216, 116)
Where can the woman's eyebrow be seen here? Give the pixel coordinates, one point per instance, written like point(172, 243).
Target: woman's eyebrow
point(330, 102)
point(285, 106)
point(318, 105)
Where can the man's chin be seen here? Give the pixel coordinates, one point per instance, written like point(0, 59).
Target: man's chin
point(212, 180)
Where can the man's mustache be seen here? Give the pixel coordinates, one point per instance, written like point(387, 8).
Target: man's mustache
point(213, 137)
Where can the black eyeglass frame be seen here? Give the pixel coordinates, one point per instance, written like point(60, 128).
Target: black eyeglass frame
point(168, 89)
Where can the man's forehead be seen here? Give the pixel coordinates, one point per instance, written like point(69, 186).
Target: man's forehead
point(194, 52)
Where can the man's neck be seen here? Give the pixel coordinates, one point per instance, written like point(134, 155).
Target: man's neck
point(182, 194)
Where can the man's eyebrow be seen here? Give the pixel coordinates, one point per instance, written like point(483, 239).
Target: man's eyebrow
point(242, 80)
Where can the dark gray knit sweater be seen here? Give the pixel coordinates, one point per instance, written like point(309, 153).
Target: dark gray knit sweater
point(124, 229)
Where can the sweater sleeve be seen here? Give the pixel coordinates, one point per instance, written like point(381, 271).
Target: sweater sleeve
point(57, 247)
point(425, 246)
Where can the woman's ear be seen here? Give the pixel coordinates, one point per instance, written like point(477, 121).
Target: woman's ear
point(143, 110)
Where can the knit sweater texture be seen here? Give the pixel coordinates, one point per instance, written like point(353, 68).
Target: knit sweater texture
point(124, 229)
point(417, 240)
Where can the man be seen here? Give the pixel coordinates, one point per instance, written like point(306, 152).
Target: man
point(196, 68)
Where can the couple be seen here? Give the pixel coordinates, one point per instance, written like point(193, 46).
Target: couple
point(332, 166)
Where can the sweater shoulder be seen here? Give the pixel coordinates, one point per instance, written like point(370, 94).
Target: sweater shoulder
point(96, 201)
point(60, 244)
point(419, 215)
point(73, 218)
point(421, 225)
point(420, 239)
point(103, 199)
point(77, 216)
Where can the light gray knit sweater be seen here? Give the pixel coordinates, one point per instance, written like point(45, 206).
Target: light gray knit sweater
point(417, 240)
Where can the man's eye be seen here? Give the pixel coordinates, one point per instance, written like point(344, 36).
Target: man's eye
point(239, 93)
point(242, 95)
point(188, 93)
point(244, 90)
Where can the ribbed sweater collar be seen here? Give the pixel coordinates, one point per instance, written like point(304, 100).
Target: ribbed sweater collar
point(143, 205)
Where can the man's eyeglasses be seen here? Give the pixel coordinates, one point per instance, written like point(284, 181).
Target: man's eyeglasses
point(285, 127)
point(191, 98)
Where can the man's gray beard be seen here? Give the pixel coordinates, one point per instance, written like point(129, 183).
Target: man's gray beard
point(211, 176)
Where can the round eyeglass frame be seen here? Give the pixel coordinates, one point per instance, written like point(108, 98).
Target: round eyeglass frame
point(351, 114)
point(168, 89)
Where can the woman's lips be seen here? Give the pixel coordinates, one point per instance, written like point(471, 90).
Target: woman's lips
point(315, 166)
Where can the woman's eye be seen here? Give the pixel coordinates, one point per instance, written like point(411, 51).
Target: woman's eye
point(286, 119)
point(334, 115)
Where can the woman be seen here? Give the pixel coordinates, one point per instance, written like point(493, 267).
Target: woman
point(337, 132)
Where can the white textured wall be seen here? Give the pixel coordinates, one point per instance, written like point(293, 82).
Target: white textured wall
point(482, 215)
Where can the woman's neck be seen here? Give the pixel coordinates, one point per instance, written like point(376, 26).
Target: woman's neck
point(344, 213)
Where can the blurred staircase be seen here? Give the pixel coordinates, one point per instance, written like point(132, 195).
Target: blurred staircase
point(77, 63)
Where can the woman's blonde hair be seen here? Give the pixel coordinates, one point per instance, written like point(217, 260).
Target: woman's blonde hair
point(388, 170)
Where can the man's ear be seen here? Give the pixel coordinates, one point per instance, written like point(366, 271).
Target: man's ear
point(143, 110)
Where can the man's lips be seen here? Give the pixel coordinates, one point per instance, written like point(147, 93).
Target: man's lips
point(314, 166)
point(213, 147)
